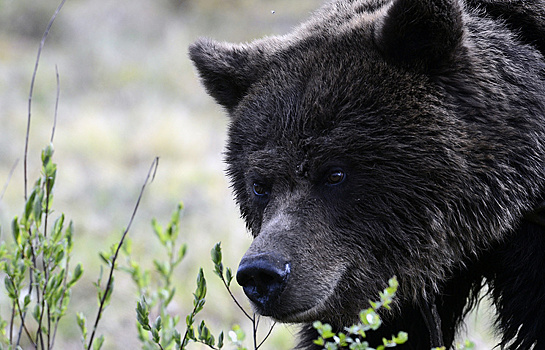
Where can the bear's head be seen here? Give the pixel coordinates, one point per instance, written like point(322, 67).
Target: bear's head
point(372, 141)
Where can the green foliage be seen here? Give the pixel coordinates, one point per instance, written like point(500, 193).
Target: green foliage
point(38, 277)
point(467, 345)
point(237, 336)
point(156, 297)
point(353, 337)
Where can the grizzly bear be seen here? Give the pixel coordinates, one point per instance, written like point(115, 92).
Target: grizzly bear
point(391, 138)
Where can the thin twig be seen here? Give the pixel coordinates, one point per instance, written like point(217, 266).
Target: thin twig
point(184, 338)
point(23, 325)
point(56, 103)
point(39, 331)
point(12, 319)
point(30, 286)
point(255, 323)
point(151, 175)
point(25, 163)
point(42, 43)
point(9, 179)
point(267, 336)
point(255, 319)
point(235, 300)
point(46, 270)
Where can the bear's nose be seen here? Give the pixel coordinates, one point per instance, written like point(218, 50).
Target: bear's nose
point(263, 278)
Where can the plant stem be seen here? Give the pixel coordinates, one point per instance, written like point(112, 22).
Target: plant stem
point(65, 281)
point(23, 325)
point(267, 336)
point(31, 283)
point(255, 326)
point(27, 137)
point(107, 291)
point(235, 300)
point(12, 319)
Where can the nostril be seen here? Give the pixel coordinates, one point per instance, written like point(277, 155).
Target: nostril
point(263, 278)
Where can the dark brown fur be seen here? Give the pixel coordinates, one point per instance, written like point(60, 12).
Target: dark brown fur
point(434, 113)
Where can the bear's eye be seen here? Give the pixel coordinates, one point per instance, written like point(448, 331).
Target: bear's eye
point(259, 189)
point(336, 177)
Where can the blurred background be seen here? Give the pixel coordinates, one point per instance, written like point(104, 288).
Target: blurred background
point(128, 93)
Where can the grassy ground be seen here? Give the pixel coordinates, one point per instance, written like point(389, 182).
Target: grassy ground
point(128, 94)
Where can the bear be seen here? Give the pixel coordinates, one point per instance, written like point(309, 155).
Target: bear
point(386, 138)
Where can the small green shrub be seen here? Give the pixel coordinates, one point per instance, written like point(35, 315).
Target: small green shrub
point(38, 277)
point(162, 333)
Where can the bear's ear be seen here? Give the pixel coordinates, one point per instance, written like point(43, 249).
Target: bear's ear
point(226, 70)
point(423, 34)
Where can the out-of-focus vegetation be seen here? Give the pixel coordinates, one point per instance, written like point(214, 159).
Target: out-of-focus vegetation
point(128, 94)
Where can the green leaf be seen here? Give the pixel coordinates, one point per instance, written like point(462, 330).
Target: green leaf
point(401, 338)
point(68, 235)
point(189, 320)
point(98, 344)
point(162, 267)
point(320, 341)
point(127, 246)
point(178, 340)
point(158, 230)
point(57, 228)
point(109, 290)
point(38, 207)
point(47, 154)
point(26, 301)
point(105, 258)
point(36, 312)
point(16, 231)
point(10, 287)
point(142, 313)
point(200, 292)
point(78, 272)
point(228, 276)
point(216, 253)
point(50, 171)
point(203, 331)
point(220, 341)
point(326, 331)
point(59, 254)
point(158, 325)
point(155, 335)
point(181, 253)
point(371, 318)
point(81, 324)
point(29, 205)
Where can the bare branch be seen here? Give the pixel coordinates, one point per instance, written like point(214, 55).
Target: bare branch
point(56, 103)
point(46, 33)
point(9, 179)
point(149, 177)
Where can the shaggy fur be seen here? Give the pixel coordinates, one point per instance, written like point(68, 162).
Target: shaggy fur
point(383, 138)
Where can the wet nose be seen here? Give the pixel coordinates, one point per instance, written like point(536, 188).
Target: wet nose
point(263, 277)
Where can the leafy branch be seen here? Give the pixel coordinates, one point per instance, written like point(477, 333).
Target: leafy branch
point(353, 336)
point(236, 335)
point(162, 332)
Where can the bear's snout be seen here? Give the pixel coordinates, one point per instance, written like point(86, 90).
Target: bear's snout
point(263, 277)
